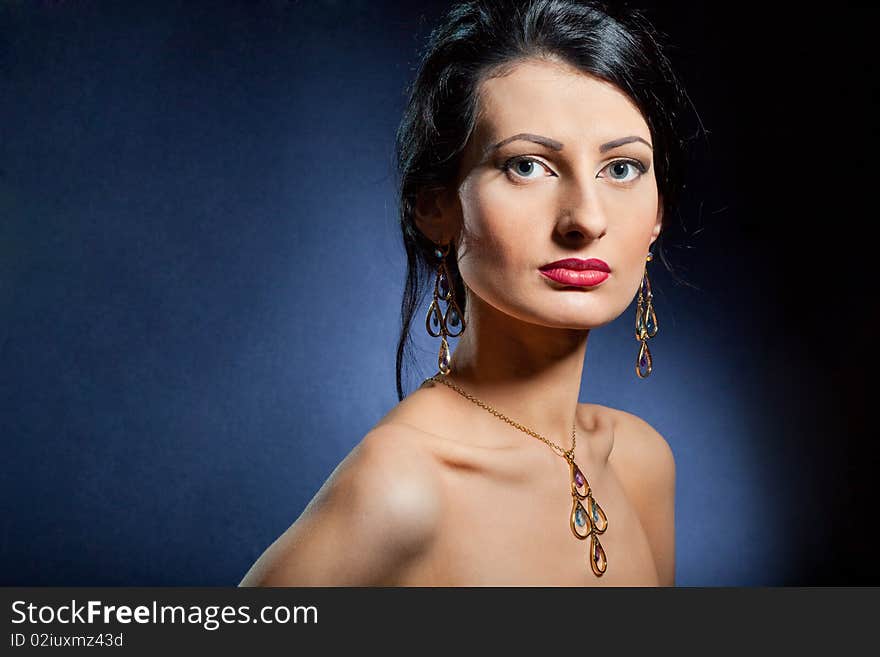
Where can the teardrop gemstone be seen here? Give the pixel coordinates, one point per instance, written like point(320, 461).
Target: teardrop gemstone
point(597, 515)
point(651, 325)
point(443, 285)
point(644, 364)
point(579, 485)
point(444, 358)
point(433, 320)
point(598, 562)
point(580, 521)
point(453, 319)
point(641, 331)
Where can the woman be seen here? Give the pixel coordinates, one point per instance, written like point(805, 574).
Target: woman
point(539, 158)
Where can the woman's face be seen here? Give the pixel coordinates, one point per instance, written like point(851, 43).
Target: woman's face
point(587, 190)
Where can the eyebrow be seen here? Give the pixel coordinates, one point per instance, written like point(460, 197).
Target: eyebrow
point(557, 145)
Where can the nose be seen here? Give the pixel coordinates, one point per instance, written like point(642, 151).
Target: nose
point(581, 215)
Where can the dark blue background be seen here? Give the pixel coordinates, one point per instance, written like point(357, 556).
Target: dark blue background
point(201, 274)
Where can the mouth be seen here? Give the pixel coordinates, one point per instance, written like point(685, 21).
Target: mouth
point(577, 272)
point(583, 278)
point(577, 264)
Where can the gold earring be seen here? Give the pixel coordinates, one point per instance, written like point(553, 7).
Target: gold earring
point(437, 323)
point(646, 324)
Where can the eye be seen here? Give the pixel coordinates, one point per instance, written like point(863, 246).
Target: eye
point(525, 168)
point(619, 170)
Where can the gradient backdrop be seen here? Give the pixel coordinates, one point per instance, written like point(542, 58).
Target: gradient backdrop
point(201, 270)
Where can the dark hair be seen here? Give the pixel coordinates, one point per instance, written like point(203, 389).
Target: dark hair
point(482, 39)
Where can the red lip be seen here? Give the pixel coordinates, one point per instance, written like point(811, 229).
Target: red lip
point(579, 265)
point(584, 278)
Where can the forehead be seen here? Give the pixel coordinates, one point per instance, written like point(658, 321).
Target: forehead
point(557, 100)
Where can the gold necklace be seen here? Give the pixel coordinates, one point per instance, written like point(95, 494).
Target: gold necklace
point(583, 524)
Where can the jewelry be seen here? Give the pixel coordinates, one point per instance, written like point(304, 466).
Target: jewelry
point(437, 323)
point(646, 324)
point(583, 523)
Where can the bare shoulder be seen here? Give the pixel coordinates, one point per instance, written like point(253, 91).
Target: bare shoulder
point(643, 461)
point(375, 514)
point(392, 466)
point(638, 447)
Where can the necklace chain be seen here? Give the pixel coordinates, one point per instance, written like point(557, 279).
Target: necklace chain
point(566, 454)
point(585, 522)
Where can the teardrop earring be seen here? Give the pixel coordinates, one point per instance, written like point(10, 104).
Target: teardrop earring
point(646, 324)
point(438, 323)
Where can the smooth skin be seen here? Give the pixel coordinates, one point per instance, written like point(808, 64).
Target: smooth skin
point(443, 493)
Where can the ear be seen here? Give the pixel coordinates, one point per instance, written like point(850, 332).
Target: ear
point(437, 214)
point(658, 225)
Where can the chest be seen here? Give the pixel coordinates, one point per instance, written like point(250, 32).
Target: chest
point(503, 527)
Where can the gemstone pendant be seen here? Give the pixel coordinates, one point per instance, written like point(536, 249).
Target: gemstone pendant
point(580, 520)
point(443, 286)
point(644, 364)
point(597, 516)
point(454, 319)
point(598, 562)
point(434, 320)
point(444, 358)
point(587, 519)
point(651, 325)
point(641, 329)
point(579, 485)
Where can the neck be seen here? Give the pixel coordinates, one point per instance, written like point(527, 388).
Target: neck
point(530, 373)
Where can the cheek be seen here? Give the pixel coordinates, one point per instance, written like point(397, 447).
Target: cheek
point(633, 217)
point(496, 228)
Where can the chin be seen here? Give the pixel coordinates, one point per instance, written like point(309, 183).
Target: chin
point(571, 319)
